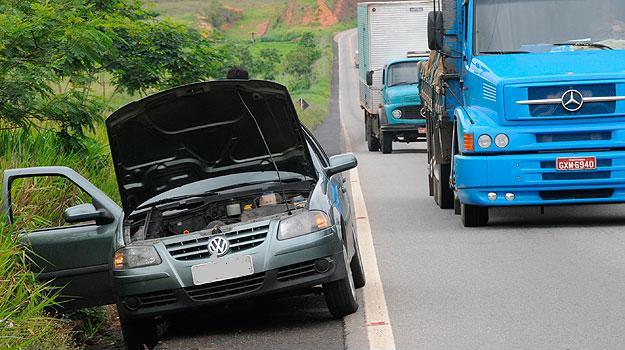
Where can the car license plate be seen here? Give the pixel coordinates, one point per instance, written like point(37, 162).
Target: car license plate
point(576, 163)
point(422, 130)
point(222, 269)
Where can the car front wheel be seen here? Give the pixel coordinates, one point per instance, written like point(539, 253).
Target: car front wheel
point(341, 295)
point(138, 333)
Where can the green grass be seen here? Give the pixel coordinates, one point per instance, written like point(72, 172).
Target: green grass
point(23, 321)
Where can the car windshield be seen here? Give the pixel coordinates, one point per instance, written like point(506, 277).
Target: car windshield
point(403, 73)
point(530, 26)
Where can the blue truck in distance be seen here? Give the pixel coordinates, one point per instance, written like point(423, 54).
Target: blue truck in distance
point(392, 39)
point(525, 104)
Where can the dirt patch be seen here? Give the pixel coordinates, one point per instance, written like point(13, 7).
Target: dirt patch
point(345, 9)
point(262, 28)
point(325, 16)
point(289, 13)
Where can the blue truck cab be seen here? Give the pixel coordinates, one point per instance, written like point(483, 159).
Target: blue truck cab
point(525, 104)
point(400, 114)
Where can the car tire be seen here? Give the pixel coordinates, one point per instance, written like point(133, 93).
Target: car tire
point(358, 273)
point(430, 185)
point(474, 215)
point(139, 333)
point(341, 295)
point(443, 194)
point(386, 142)
point(373, 144)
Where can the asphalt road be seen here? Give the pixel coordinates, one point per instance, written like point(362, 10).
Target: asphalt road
point(528, 281)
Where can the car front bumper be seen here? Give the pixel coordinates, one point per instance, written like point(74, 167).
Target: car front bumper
point(279, 266)
point(533, 179)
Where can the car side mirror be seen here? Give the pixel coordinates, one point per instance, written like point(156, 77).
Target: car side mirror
point(341, 163)
point(87, 212)
point(436, 30)
point(370, 78)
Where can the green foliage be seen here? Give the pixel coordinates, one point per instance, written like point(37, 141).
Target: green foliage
point(266, 63)
point(299, 62)
point(23, 320)
point(51, 52)
point(217, 14)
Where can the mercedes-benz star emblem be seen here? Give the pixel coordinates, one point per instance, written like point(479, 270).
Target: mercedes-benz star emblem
point(572, 100)
point(218, 246)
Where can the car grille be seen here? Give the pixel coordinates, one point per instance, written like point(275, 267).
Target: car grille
point(295, 271)
point(576, 194)
point(590, 109)
point(159, 298)
point(197, 248)
point(577, 175)
point(226, 288)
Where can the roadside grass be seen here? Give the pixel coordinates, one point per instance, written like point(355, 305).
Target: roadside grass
point(23, 300)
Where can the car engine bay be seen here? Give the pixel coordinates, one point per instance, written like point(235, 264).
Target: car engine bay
point(211, 213)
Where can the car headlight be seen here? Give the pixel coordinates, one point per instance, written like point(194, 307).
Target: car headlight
point(397, 113)
point(139, 256)
point(303, 224)
point(484, 141)
point(501, 140)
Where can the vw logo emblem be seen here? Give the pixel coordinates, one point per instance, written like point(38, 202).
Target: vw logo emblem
point(572, 100)
point(218, 246)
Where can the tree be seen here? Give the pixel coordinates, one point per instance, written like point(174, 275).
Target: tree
point(266, 63)
point(299, 61)
point(51, 52)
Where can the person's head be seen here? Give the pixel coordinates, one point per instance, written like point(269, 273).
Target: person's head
point(238, 73)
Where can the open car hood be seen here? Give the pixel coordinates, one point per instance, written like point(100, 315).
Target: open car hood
point(202, 131)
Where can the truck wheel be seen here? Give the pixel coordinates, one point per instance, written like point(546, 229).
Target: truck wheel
point(341, 295)
point(138, 333)
point(444, 196)
point(474, 215)
point(386, 142)
point(372, 142)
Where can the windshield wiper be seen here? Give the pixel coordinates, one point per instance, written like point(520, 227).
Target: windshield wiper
point(585, 44)
point(502, 52)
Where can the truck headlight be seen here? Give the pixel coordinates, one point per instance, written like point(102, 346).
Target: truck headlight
point(501, 140)
point(397, 113)
point(303, 224)
point(484, 141)
point(139, 256)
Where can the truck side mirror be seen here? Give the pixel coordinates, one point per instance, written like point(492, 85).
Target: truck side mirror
point(370, 78)
point(435, 30)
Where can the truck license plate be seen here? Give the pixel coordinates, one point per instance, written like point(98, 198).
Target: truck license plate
point(576, 163)
point(222, 269)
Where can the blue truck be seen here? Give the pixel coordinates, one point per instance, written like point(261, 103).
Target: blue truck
point(392, 39)
point(525, 104)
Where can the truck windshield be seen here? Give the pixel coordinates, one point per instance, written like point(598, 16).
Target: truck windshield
point(404, 73)
point(529, 26)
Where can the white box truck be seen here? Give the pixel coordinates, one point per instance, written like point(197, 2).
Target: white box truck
point(392, 38)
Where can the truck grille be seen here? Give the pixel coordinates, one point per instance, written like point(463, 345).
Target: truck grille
point(412, 112)
point(226, 288)
point(576, 194)
point(555, 92)
point(197, 248)
point(574, 137)
point(295, 271)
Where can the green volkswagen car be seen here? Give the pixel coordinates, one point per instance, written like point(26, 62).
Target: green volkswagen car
point(224, 195)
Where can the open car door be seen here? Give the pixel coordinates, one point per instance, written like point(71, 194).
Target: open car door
point(70, 226)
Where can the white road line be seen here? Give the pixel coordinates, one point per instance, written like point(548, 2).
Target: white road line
point(377, 321)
